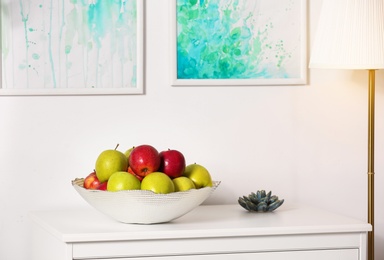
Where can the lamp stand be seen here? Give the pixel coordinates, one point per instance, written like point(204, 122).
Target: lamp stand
point(371, 172)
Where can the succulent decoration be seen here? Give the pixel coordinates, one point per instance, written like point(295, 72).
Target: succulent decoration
point(260, 201)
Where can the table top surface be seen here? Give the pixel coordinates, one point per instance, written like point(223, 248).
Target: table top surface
point(80, 225)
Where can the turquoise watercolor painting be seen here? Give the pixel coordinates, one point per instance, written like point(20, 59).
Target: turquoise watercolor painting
point(243, 41)
point(71, 46)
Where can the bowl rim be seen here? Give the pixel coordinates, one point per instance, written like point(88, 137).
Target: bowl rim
point(80, 181)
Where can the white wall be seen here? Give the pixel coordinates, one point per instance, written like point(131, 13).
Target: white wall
point(305, 143)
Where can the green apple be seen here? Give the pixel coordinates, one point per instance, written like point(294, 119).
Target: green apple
point(158, 182)
point(128, 152)
point(183, 183)
point(199, 175)
point(123, 181)
point(108, 162)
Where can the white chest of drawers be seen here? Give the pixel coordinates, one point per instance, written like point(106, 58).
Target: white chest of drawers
point(206, 233)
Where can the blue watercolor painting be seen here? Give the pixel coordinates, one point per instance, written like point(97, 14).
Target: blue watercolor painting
point(69, 44)
point(238, 39)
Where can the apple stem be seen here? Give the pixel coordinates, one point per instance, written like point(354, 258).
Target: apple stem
point(116, 146)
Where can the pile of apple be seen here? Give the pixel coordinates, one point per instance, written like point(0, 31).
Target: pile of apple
point(143, 167)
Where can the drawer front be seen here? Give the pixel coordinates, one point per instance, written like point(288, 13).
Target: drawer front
point(342, 254)
point(216, 246)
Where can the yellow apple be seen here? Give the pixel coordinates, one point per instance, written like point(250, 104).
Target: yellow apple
point(199, 175)
point(122, 181)
point(109, 162)
point(183, 183)
point(158, 182)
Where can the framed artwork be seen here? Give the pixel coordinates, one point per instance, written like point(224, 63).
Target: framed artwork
point(71, 47)
point(242, 42)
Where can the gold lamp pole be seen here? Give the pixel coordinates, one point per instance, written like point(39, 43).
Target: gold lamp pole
point(350, 35)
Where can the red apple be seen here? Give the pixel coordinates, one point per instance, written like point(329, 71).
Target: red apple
point(172, 163)
point(91, 182)
point(144, 159)
point(137, 176)
point(102, 186)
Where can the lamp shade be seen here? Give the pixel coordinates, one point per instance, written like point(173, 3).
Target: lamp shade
point(350, 35)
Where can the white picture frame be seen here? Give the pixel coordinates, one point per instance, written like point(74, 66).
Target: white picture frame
point(278, 22)
point(72, 48)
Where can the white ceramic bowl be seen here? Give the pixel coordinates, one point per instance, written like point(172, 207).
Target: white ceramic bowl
point(141, 206)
